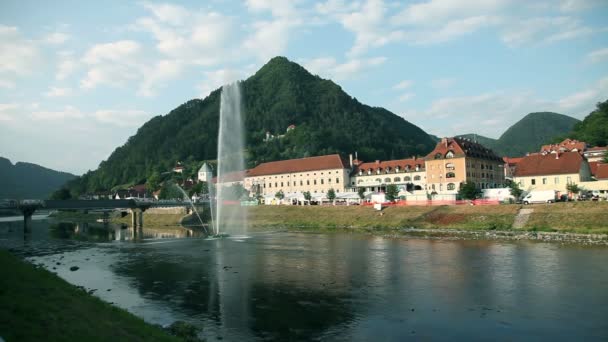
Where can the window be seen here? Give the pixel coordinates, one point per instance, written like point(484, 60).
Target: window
point(387, 170)
point(416, 178)
point(544, 180)
point(450, 175)
point(378, 180)
point(387, 180)
point(568, 180)
point(337, 180)
point(307, 182)
point(281, 184)
point(397, 169)
point(533, 181)
point(450, 154)
point(315, 182)
point(556, 180)
point(329, 180)
point(397, 179)
point(360, 173)
point(270, 185)
point(438, 156)
point(451, 186)
point(378, 171)
point(417, 167)
point(407, 178)
point(322, 182)
point(369, 172)
point(264, 184)
point(450, 166)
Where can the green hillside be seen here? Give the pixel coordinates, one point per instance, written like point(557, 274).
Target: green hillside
point(594, 128)
point(528, 134)
point(280, 94)
point(29, 181)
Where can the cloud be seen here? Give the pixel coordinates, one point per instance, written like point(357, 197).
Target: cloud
point(544, 30)
point(66, 66)
point(6, 84)
point(579, 5)
point(438, 11)
point(583, 101)
point(330, 68)
point(56, 38)
point(403, 85)
point(597, 56)
point(406, 97)
point(442, 83)
point(18, 56)
point(7, 111)
point(162, 72)
point(68, 112)
point(122, 118)
point(217, 78)
point(113, 64)
point(58, 92)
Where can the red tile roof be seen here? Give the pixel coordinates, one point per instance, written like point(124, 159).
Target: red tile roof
point(382, 165)
point(593, 167)
point(549, 164)
point(462, 147)
point(565, 146)
point(512, 161)
point(602, 171)
point(332, 161)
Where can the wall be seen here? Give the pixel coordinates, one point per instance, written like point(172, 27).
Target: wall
point(317, 181)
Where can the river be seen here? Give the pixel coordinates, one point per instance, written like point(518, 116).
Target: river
point(345, 287)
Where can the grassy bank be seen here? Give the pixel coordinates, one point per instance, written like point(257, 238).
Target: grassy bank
point(577, 217)
point(39, 306)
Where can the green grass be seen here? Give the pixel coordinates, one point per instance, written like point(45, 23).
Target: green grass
point(37, 305)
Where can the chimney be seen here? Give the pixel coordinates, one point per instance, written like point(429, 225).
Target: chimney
point(444, 141)
point(557, 155)
point(377, 161)
point(350, 159)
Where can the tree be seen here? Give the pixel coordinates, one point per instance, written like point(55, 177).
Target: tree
point(307, 196)
point(361, 193)
point(515, 190)
point(573, 188)
point(238, 191)
point(279, 195)
point(170, 190)
point(391, 192)
point(468, 190)
point(61, 194)
point(153, 182)
point(331, 194)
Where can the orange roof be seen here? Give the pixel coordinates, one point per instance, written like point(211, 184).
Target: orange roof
point(332, 161)
point(549, 164)
point(565, 146)
point(593, 167)
point(462, 147)
point(512, 161)
point(392, 164)
point(602, 171)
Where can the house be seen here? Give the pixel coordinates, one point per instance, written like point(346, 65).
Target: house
point(553, 171)
point(568, 145)
point(314, 174)
point(455, 161)
point(594, 154)
point(178, 168)
point(510, 166)
point(205, 173)
point(407, 174)
point(230, 178)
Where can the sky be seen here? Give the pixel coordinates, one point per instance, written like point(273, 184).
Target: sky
point(77, 78)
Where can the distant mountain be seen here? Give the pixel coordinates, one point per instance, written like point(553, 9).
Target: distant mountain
point(29, 181)
point(282, 93)
point(594, 128)
point(528, 134)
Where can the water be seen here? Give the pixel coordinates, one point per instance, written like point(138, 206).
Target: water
point(230, 217)
point(345, 287)
point(187, 199)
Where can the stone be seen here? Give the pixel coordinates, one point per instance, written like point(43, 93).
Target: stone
point(74, 268)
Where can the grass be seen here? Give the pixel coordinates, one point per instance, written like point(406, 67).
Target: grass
point(37, 305)
point(575, 217)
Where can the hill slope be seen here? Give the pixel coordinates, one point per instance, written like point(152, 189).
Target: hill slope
point(594, 128)
point(280, 94)
point(29, 181)
point(528, 134)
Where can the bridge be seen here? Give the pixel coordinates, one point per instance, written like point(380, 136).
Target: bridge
point(136, 207)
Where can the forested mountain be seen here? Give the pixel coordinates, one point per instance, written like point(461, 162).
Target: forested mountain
point(594, 128)
point(528, 134)
point(29, 181)
point(280, 94)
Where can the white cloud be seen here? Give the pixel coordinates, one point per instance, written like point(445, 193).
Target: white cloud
point(439, 11)
point(58, 92)
point(18, 56)
point(403, 85)
point(68, 112)
point(7, 111)
point(66, 66)
point(406, 97)
point(582, 102)
point(122, 118)
point(597, 56)
point(162, 72)
point(269, 39)
point(328, 67)
point(217, 78)
point(7, 84)
point(579, 5)
point(56, 38)
point(113, 64)
point(544, 30)
point(442, 83)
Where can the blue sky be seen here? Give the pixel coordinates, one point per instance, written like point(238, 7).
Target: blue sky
point(77, 78)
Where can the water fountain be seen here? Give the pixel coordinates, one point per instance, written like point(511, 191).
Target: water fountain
point(227, 215)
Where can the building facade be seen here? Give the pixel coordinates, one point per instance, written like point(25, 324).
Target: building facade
point(455, 161)
point(552, 171)
point(407, 174)
point(314, 174)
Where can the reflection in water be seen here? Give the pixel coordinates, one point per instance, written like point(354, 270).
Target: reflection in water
point(343, 287)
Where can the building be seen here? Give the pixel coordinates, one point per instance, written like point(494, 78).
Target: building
point(178, 168)
point(510, 167)
point(455, 161)
point(205, 173)
point(568, 145)
point(230, 178)
point(595, 153)
point(552, 171)
point(407, 174)
point(314, 174)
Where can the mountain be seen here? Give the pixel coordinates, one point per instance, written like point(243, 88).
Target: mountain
point(282, 93)
point(528, 134)
point(594, 128)
point(29, 181)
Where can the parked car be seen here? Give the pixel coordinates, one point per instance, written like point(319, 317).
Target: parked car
point(540, 196)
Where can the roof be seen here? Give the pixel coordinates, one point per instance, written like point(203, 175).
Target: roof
point(565, 146)
point(204, 168)
point(549, 164)
point(383, 165)
point(512, 161)
point(462, 147)
point(332, 161)
point(601, 171)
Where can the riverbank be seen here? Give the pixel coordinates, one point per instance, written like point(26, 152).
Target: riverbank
point(37, 305)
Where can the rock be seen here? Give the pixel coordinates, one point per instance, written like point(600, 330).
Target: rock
point(74, 268)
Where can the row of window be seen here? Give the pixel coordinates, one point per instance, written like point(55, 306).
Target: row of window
point(298, 175)
point(396, 179)
point(388, 170)
point(545, 181)
point(276, 184)
point(480, 175)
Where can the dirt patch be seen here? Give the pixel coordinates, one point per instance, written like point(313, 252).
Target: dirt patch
point(445, 218)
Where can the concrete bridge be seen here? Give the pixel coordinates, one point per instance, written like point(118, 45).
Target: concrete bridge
point(137, 208)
